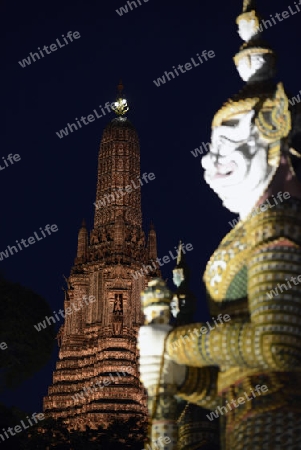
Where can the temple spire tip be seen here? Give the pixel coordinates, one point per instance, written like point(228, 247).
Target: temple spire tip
point(120, 106)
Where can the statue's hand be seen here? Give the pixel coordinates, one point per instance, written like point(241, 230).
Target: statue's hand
point(151, 340)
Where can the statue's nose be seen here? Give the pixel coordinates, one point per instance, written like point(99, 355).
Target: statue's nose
point(210, 160)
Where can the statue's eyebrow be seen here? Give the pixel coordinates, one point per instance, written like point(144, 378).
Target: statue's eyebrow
point(230, 140)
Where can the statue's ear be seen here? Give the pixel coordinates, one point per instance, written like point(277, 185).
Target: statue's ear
point(274, 118)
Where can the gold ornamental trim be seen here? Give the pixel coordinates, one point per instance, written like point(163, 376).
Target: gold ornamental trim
point(251, 51)
point(233, 108)
point(273, 129)
point(248, 16)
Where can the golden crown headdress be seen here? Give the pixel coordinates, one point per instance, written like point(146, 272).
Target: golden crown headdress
point(249, 13)
point(272, 116)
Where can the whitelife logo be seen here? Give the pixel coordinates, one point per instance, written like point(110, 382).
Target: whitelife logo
point(18, 428)
point(202, 330)
point(31, 240)
point(11, 158)
point(241, 401)
point(188, 66)
point(284, 14)
point(3, 345)
point(158, 444)
point(287, 286)
point(122, 191)
point(73, 306)
point(85, 120)
point(166, 259)
point(295, 100)
point(199, 150)
point(124, 9)
point(264, 206)
point(53, 48)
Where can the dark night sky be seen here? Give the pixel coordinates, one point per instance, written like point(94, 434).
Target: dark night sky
point(55, 181)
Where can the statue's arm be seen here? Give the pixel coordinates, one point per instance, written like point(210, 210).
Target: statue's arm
point(200, 386)
point(193, 384)
point(272, 338)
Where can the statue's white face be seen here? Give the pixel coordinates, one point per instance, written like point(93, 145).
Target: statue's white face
point(178, 276)
point(174, 306)
point(253, 66)
point(236, 166)
point(247, 29)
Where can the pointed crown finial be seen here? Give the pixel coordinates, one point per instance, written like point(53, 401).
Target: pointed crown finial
point(255, 60)
point(249, 21)
point(120, 106)
point(180, 254)
point(120, 87)
point(249, 5)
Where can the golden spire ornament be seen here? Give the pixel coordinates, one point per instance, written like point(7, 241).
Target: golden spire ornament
point(120, 106)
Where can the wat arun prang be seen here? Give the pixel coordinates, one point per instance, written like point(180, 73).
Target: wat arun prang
point(96, 379)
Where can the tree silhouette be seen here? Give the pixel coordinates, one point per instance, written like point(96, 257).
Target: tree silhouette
point(9, 416)
point(27, 349)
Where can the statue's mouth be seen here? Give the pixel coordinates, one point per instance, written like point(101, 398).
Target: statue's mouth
point(224, 171)
point(222, 175)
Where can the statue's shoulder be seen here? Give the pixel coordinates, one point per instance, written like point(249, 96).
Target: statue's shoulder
point(275, 221)
point(226, 271)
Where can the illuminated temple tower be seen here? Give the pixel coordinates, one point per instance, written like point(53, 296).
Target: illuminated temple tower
point(98, 338)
